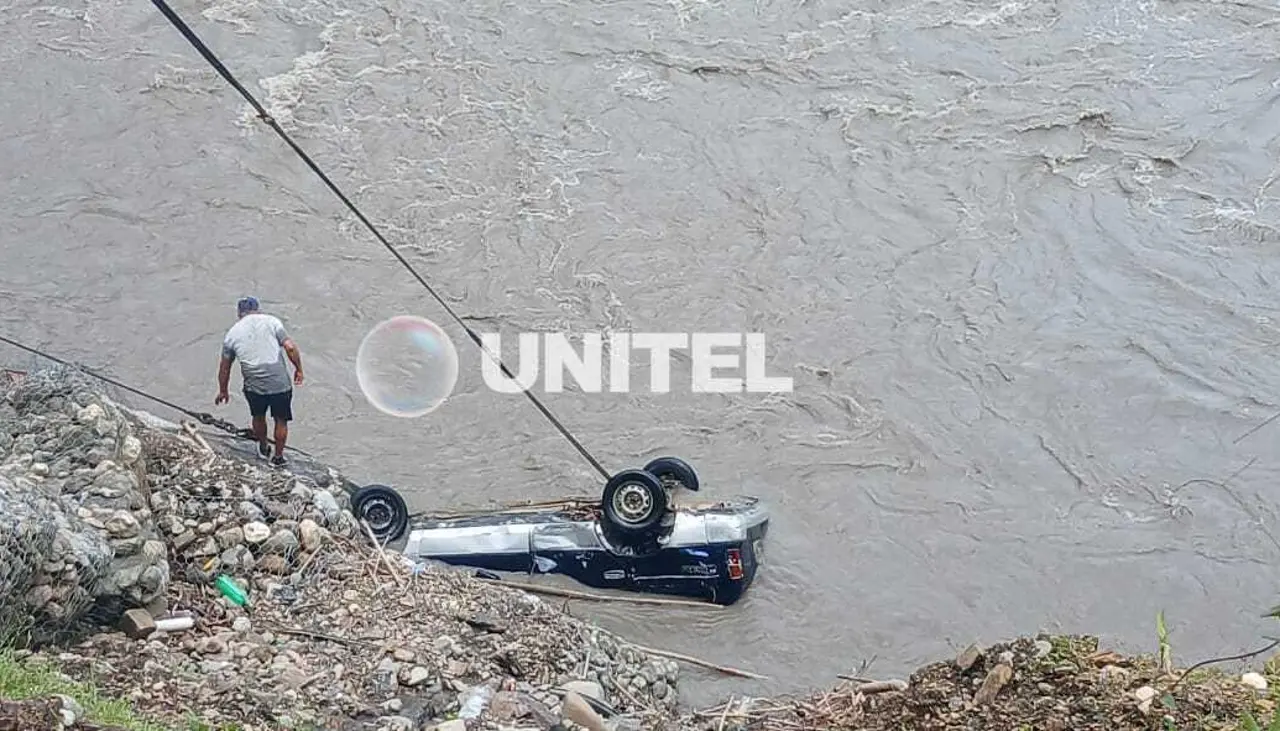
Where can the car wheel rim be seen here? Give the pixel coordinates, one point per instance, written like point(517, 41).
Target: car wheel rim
point(378, 515)
point(632, 503)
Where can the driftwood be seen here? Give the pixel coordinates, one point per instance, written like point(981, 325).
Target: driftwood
point(383, 553)
point(700, 663)
point(195, 435)
point(881, 686)
point(320, 635)
point(587, 596)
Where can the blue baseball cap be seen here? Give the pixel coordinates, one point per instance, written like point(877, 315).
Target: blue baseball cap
point(246, 304)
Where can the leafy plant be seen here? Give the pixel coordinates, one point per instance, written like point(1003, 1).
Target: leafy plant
point(1249, 723)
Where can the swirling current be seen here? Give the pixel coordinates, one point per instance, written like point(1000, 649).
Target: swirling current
point(1020, 259)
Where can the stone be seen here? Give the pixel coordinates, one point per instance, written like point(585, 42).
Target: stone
point(413, 676)
point(130, 450)
point(507, 706)
point(236, 557)
point(311, 534)
point(1254, 680)
point(137, 624)
point(154, 551)
point(211, 646)
point(453, 725)
point(968, 657)
point(71, 710)
point(273, 564)
point(403, 654)
point(204, 547)
point(485, 623)
point(228, 537)
point(255, 532)
point(1113, 675)
point(996, 679)
point(1043, 648)
point(252, 513)
point(397, 723)
point(122, 524)
point(40, 595)
point(90, 414)
point(172, 524)
point(327, 505)
point(282, 542)
point(1144, 695)
point(158, 607)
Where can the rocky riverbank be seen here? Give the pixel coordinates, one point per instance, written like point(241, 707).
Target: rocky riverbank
point(107, 519)
point(1043, 683)
point(114, 526)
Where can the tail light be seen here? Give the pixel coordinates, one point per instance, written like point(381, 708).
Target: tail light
point(734, 564)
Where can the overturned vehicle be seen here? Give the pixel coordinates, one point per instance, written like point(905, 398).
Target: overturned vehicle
point(636, 538)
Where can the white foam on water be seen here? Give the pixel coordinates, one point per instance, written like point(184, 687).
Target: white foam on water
point(234, 13)
point(999, 16)
point(285, 92)
point(202, 80)
point(640, 83)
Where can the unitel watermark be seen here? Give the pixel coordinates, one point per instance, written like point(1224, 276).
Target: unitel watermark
point(554, 355)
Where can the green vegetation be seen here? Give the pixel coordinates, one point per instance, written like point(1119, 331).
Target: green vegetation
point(1250, 724)
point(1247, 721)
point(24, 680)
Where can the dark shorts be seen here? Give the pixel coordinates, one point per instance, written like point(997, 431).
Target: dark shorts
point(281, 404)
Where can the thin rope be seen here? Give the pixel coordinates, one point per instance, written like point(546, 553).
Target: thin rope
point(99, 376)
point(264, 116)
point(201, 416)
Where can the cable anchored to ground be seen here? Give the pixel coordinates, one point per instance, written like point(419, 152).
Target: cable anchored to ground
point(218, 66)
point(200, 416)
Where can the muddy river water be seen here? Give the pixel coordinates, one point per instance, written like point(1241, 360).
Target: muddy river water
point(1019, 258)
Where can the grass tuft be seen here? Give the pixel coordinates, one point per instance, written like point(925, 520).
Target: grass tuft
point(27, 679)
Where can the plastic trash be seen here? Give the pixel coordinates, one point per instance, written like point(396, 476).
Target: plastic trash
point(175, 624)
point(231, 591)
point(474, 700)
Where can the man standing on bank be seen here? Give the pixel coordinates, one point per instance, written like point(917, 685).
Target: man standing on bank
point(256, 340)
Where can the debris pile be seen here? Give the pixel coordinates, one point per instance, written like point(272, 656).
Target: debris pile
point(336, 631)
point(1046, 683)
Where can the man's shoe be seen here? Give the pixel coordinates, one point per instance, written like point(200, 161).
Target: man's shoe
point(264, 450)
point(279, 461)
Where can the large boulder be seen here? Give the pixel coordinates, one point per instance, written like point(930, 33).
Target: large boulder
point(76, 531)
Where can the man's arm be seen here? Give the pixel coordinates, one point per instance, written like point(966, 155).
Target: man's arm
point(295, 357)
point(290, 349)
point(224, 373)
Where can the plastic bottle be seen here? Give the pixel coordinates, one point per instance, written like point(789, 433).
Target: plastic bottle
point(231, 591)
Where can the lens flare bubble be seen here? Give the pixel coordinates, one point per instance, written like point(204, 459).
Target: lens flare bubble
point(406, 366)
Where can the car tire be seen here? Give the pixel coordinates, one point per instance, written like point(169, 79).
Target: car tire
point(676, 469)
point(384, 510)
point(634, 503)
